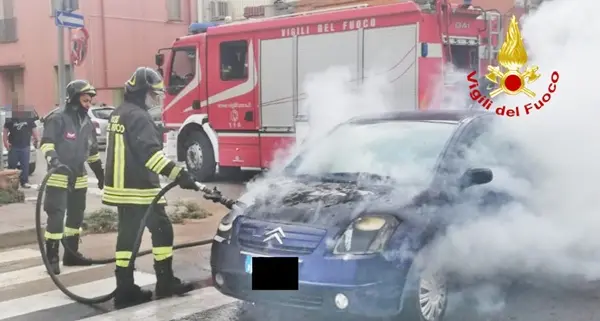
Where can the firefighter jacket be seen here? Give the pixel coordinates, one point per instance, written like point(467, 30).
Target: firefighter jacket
point(134, 158)
point(69, 135)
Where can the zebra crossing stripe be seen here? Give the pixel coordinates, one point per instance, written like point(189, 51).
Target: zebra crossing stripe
point(53, 299)
point(170, 309)
point(26, 293)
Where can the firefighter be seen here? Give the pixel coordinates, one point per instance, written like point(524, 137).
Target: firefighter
point(69, 138)
point(134, 162)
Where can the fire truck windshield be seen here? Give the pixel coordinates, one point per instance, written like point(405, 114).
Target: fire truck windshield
point(183, 69)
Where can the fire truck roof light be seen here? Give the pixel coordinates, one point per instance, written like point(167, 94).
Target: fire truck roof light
point(424, 49)
point(200, 27)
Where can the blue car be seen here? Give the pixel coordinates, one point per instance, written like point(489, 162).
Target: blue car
point(359, 207)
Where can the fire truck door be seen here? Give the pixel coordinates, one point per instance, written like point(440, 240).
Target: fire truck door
point(396, 60)
point(231, 87)
point(277, 96)
point(277, 84)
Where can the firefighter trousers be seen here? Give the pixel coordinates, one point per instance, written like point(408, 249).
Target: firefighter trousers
point(130, 218)
point(58, 201)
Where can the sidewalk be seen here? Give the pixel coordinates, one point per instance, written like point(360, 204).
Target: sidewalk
point(17, 222)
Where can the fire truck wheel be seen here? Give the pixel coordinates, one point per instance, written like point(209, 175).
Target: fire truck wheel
point(199, 156)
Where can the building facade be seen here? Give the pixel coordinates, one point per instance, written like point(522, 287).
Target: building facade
point(123, 35)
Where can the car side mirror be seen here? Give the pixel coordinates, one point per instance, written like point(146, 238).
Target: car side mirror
point(159, 59)
point(476, 176)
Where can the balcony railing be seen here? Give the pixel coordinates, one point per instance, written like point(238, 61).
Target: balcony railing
point(8, 30)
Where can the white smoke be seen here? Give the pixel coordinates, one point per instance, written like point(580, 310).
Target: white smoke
point(555, 234)
point(555, 231)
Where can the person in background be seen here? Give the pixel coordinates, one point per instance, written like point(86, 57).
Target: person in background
point(17, 134)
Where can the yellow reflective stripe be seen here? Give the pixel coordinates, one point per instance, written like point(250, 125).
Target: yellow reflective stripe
point(47, 147)
point(157, 162)
point(59, 177)
point(119, 161)
point(60, 180)
point(161, 165)
point(55, 183)
point(122, 258)
point(162, 253)
point(175, 172)
point(123, 255)
point(132, 200)
point(148, 192)
point(154, 159)
point(94, 158)
point(130, 195)
point(69, 231)
point(81, 185)
point(52, 236)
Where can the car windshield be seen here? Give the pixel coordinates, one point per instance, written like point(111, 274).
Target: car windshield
point(102, 113)
point(406, 151)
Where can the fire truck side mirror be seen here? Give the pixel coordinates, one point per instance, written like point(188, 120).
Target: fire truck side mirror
point(159, 59)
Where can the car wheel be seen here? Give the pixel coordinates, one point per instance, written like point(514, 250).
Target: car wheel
point(199, 156)
point(432, 296)
point(31, 168)
point(425, 295)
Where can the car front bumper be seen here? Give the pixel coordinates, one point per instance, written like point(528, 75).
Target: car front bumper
point(380, 296)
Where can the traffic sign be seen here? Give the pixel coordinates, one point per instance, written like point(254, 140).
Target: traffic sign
point(68, 19)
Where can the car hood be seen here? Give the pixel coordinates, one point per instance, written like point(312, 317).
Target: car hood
point(315, 203)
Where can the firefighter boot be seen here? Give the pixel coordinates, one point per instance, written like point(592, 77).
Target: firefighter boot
point(70, 259)
point(167, 284)
point(52, 247)
point(128, 293)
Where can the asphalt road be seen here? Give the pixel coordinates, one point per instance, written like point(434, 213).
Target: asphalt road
point(520, 303)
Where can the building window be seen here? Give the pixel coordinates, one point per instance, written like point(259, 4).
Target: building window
point(8, 22)
point(234, 60)
point(174, 10)
point(68, 5)
point(68, 79)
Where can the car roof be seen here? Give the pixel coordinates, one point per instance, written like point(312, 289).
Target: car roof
point(425, 115)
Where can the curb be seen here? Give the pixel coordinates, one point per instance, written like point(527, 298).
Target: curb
point(18, 238)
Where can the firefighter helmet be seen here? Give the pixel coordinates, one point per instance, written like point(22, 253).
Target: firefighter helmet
point(143, 80)
point(78, 87)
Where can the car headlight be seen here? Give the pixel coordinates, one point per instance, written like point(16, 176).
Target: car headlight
point(226, 222)
point(366, 235)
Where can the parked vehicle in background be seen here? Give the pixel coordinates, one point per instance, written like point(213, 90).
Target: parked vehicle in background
point(99, 116)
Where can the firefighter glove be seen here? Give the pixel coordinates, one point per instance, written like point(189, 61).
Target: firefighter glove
point(186, 181)
point(53, 162)
point(99, 172)
point(214, 196)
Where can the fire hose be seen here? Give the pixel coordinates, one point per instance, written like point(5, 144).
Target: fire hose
point(215, 196)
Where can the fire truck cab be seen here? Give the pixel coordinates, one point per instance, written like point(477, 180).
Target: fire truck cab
point(234, 92)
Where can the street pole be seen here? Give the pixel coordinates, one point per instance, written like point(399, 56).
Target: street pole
point(61, 58)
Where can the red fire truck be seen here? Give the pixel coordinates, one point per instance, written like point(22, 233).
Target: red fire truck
point(235, 91)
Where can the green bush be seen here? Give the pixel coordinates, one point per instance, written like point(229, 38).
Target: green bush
point(187, 210)
point(104, 220)
point(9, 196)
